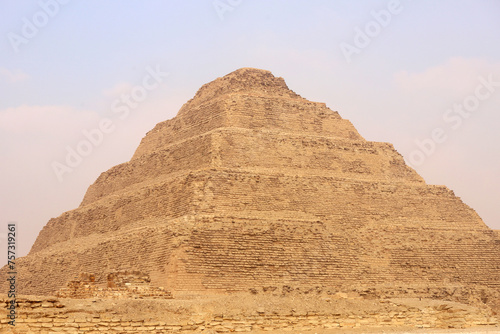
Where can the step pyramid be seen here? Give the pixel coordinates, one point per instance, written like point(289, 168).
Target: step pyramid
point(252, 186)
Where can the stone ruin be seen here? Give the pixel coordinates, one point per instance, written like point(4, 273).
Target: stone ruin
point(127, 278)
point(252, 188)
point(121, 284)
point(251, 185)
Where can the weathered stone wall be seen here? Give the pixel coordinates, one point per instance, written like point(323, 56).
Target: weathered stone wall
point(252, 185)
point(231, 253)
point(234, 253)
point(203, 119)
point(259, 150)
point(288, 116)
point(171, 197)
point(47, 315)
point(101, 254)
point(121, 284)
point(189, 155)
point(275, 108)
point(260, 83)
point(225, 191)
point(268, 151)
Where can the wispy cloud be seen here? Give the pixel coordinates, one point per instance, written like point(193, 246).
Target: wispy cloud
point(12, 76)
point(118, 89)
point(456, 76)
point(51, 121)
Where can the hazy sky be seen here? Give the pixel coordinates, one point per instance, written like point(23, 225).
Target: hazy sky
point(423, 75)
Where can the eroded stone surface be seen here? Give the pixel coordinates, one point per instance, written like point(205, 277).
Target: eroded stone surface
point(240, 313)
point(252, 186)
point(120, 285)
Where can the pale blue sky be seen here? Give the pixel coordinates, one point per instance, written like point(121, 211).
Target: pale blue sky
point(64, 79)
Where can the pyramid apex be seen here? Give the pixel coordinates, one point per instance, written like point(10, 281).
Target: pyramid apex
point(250, 69)
point(244, 81)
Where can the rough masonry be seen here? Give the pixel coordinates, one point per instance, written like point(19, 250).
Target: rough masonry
point(253, 186)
